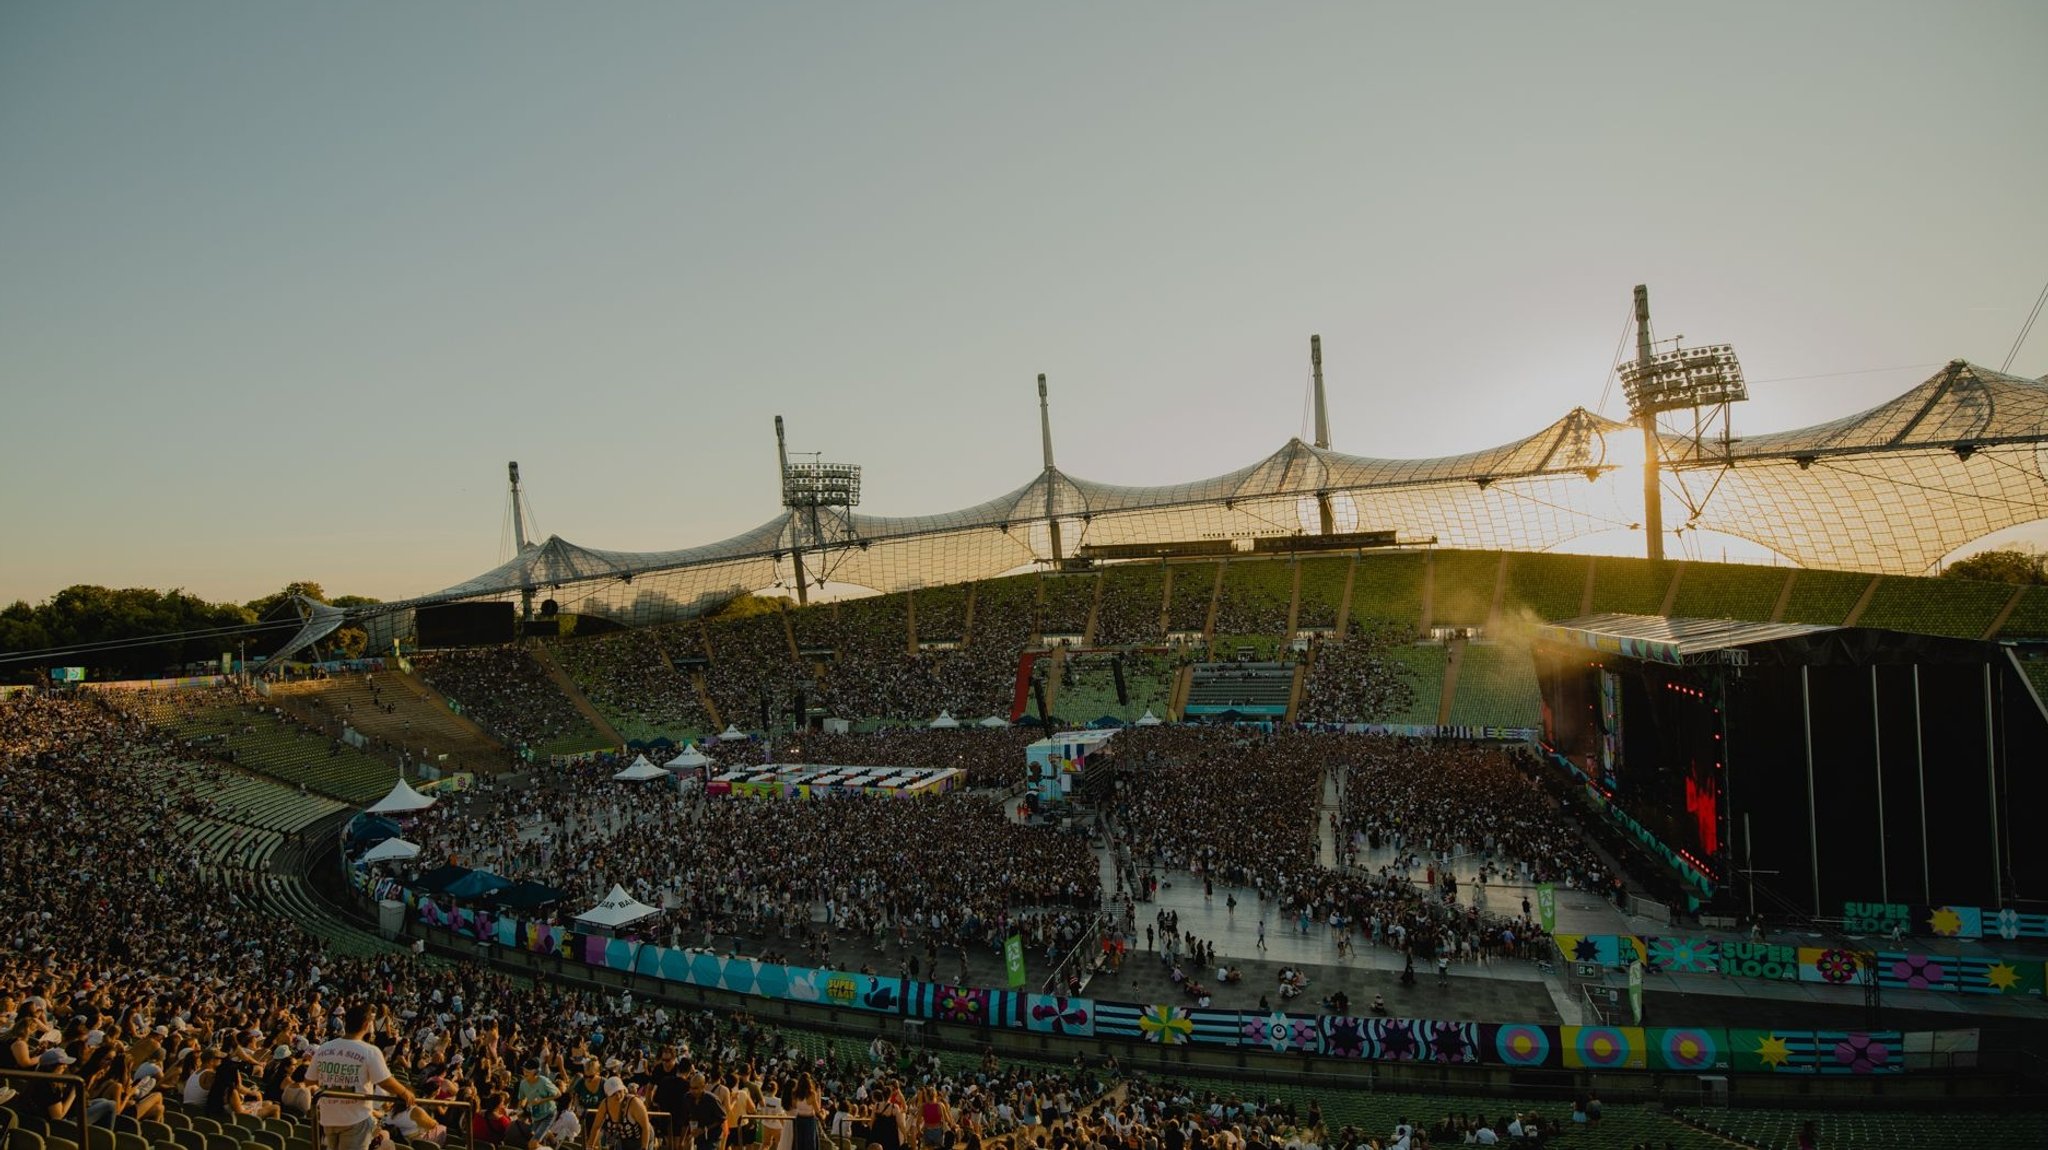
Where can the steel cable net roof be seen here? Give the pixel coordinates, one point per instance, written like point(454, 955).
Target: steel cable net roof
point(1892, 490)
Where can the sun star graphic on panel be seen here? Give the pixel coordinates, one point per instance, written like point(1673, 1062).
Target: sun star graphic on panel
point(1945, 922)
point(1772, 1051)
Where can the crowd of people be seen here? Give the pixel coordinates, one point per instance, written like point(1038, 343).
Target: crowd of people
point(163, 985)
point(1437, 802)
point(915, 880)
point(632, 678)
point(124, 964)
point(1357, 680)
point(505, 691)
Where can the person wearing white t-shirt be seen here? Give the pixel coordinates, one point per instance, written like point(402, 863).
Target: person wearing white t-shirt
point(352, 1065)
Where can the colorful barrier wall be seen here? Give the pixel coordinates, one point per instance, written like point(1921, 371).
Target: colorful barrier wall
point(1882, 918)
point(1740, 958)
point(1512, 1045)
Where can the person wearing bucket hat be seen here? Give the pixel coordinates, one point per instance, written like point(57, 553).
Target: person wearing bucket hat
point(621, 1121)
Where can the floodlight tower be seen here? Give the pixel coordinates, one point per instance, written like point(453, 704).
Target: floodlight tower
point(1704, 380)
point(519, 541)
point(1326, 519)
point(1052, 521)
point(805, 488)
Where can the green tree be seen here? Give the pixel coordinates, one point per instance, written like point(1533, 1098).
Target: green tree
point(2001, 566)
point(311, 590)
point(351, 642)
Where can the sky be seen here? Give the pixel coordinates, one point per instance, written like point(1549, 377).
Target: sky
point(283, 287)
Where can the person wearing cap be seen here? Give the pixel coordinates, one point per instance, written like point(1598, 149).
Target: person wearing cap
point(536, 1098)
point(277, 1072)
point(352, 1065)
point(53, 1099)
point(621, 1122)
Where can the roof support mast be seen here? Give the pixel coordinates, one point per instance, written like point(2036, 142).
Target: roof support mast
point(1325, 518)
point(1699, 379)
point(519, 538)
point(1045, 436)
point(1315, 359)
point(1653, 480)
point(796, 548)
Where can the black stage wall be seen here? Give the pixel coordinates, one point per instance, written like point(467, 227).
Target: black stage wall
point(1846, 765)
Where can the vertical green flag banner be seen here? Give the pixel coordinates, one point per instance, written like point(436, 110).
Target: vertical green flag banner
point(1635, 991)
point(1013, 959)
point(1546, 907)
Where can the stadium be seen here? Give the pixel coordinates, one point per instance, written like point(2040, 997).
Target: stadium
point(1317, 796)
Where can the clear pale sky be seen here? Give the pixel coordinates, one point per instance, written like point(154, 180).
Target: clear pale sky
point(282, 287)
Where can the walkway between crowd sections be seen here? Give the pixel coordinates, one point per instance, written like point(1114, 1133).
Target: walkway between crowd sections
point(1328, 849)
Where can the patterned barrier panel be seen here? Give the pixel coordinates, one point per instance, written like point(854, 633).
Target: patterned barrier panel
point(1829, 966)
point(1984, 974)
point(1946, 921)
point(1421, 1040)
point(1604, 1048)
point(1605, 949)
point(1513, 1045)
point(1764, 960)
point(1282, 1033)
point(1687, 1049)
point(1898, 970)
point(1672, 955)
point(1522, 1046)
point(1052, 1014)
point(1817, 1052)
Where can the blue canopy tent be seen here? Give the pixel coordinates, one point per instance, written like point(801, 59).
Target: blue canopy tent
point(368, 830)
point(475, 886)
point(440, 878)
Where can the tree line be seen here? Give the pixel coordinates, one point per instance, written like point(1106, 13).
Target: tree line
point(177, 621)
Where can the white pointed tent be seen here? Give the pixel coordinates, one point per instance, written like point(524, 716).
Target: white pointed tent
point(617, 909)
point(945, 721)
point(689, 760)
point(993, 721)
point(1148, 719)
point(731, 734)
point(390, 850)
point(640, 772)
point(402, 800)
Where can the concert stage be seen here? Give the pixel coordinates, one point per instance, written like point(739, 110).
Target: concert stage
point(1826, 764)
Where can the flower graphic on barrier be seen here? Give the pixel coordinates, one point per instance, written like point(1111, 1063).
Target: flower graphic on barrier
point(1919, 971)
point(1166, 1025)
point(1837, 967)
point(962, 1004)
point(1862, 1054)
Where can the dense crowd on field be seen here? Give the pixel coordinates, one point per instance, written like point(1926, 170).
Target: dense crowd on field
point(919, 878)
point(1438, 802)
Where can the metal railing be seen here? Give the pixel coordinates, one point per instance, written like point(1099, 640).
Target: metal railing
point(78, 1102)
point(463, 1108)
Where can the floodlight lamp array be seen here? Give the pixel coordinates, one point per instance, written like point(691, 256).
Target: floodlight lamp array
point(1684, 377)
point(821, 485)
